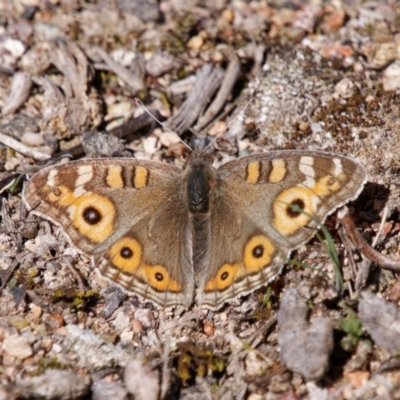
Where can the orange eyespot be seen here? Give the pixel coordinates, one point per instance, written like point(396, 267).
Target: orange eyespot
point(62, 195)
point(326, 185)
point(126, 254)
point(258, 253)
point(93, 215)
point(158, 277)
point(224, 278)
point(287, 219)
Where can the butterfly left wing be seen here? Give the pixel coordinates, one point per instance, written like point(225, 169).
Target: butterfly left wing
point(264, 206)
point(129, 215)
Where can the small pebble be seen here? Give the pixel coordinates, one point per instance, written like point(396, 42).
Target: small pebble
point(137, 326)
point(209, 328)
point(32, 139)
point(391, 77)
point(145, 317)
point(36, 310)
point(18, 347)
point(18, 322)
point(344, 88)
point(11, 164)
point(122, 323)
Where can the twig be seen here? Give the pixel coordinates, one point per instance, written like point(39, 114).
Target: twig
point(132, 127)
point(134, 81)
point(361, 244)
point(5, 275)
point(347, 246)
point(255, 339)
point(75, 274)
point(19, 93)
point(381, 226)
point(166, 373)
point(21, 148)
point(70, 60)
point(208, 81)
point(363, 274)
point(231, 77)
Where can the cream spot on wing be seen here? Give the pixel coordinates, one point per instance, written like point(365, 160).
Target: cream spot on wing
point(306, 167)
point(123, 279)
point(278, 171)
point(51, 178)
point(85, 175)
point(114, 177)
point(338, 167)
point(253, 172)
point(141, 177)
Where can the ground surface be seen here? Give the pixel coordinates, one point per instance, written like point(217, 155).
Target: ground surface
point(327, 76)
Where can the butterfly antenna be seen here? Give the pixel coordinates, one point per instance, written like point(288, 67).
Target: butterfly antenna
point(254, 94)
point(141, 105)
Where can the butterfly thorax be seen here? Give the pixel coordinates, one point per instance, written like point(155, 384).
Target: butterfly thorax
point(200, 180)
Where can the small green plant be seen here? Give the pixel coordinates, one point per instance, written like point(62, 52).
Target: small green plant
point(267, 303)
point(353, 328)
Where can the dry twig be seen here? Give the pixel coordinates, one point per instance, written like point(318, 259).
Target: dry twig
point(208, 81)
point(20, 89)
point(21, 148)
point(134, 81)
point(361, 244)
point(231, 77)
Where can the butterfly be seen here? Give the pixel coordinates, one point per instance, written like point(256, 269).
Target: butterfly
point(200, 234)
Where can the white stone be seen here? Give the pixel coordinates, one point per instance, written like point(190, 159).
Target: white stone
point(391, 77)
point(17, 346)
point(122, 323)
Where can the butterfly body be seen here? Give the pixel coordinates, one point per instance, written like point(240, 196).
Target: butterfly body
point(201, 234)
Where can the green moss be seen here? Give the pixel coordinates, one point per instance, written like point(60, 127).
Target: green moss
point(77, 298)
point(196, 360)
point(49, 363)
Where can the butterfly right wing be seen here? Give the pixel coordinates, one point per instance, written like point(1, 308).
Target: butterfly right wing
point(263, 206)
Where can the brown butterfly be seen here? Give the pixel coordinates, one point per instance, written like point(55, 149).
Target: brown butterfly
point(161, 232)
